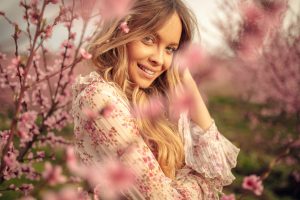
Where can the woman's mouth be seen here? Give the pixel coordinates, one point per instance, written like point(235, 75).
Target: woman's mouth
point(148, 73)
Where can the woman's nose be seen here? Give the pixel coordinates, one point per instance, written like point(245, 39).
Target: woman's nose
point(157, 57)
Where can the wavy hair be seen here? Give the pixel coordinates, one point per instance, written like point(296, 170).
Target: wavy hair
point(110, 58)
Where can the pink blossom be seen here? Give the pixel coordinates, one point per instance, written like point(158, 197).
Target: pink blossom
point(27, 124)
point(124, 27)
point(72, 36)
point(10, 159)
point(16, 61)
point(190, 57)
point(253, 19)
point(107, 110)
point(48, 31)
point(28, 118)
point(91, 115)
point(182, 101)
point(253, 183)
point(253, 32)
point(67, 193)
point(40, 154)
point(151, 110)
point(111, 178)
point(67, 44)
point(71, 159)
point(26, 188)
point(228, 197)
point(114, 8)
point(53, 174)
point(34, 16)
point(2, 56)
point(85, 54)
point(58, 120)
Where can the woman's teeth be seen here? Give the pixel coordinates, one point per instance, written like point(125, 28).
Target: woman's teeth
point(146, 70)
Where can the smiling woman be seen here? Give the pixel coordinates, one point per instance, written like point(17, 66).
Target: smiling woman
point(152, 55)
point(173, 158)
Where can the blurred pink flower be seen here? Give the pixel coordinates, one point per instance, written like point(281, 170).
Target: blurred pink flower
point(28, 118)
point(111, 178)
point(182, 101)
point(254, 184)
point(150, 110)
point(2, 56)
point(72, 163)
point(34, 16)
point(26, 188)
point(124, 27)
point(16, 61)
point(114, 8)
point(107, 110)
point(253, 18)
point(67, 193)
point(67, 44)
point(190, 57)
point(85, 54)
point(253, 30)
point(48, 31)
point(53, 174)
point(90, 114)
point(228, 197)
point(10, 159)
point(107, 8)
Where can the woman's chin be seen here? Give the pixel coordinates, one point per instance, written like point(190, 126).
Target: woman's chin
point(143, 83)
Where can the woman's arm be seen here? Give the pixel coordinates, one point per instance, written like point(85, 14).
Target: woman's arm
point(207, 151)
point(199, 114)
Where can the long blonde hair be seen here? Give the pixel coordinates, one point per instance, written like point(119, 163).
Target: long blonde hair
point(110, 57)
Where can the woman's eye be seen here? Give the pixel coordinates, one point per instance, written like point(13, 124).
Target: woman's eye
point(149, 40)
point(171, 50)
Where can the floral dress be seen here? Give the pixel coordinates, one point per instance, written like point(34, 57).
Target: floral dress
point(209, 156)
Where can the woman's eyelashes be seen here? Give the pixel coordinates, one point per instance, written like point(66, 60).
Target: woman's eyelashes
point(171, 50)
point(151, 40)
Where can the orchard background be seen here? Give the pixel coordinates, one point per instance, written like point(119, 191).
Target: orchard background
point(247, 66)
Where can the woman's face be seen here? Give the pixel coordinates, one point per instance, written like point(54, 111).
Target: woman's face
point(150, 56)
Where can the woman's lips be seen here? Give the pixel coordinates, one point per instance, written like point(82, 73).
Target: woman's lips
point(148, 73)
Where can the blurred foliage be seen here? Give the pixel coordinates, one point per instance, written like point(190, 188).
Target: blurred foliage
point(257, 148)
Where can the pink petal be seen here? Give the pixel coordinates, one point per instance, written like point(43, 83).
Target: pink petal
point(85, 54)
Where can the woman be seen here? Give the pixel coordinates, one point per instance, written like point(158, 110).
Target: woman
point(183, 159)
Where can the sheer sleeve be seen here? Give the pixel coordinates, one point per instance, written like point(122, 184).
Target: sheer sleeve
point(108, 135)
point(208, 152)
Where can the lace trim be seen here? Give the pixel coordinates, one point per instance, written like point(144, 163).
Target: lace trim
point(208, 152)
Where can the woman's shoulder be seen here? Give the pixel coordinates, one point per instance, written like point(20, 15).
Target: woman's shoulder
point(94, 85)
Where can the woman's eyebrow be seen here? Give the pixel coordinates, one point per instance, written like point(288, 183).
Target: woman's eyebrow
point(158, 37)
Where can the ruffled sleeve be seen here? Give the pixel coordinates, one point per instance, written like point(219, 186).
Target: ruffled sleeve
point(208, 152)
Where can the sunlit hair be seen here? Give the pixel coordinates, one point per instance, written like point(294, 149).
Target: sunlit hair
point(110, 57)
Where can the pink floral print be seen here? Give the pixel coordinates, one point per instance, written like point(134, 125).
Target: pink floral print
point(209, 155)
